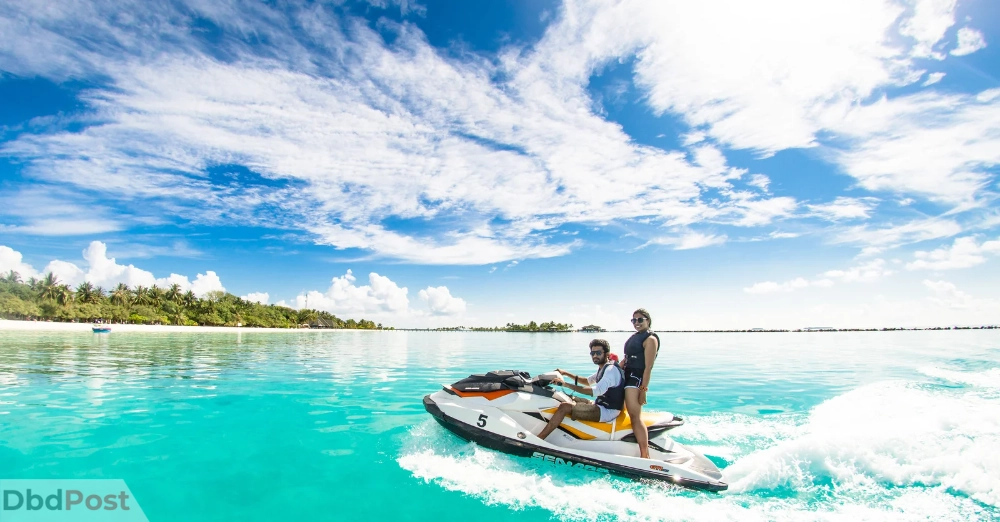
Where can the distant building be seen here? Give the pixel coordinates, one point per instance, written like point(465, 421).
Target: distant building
point(757, 330)
point(592, 328)
point(818, 329)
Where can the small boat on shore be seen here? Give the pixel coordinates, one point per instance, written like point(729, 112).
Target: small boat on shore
point(101, 328)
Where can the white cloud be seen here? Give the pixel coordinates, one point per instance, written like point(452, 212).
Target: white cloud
point(784, 62)
point(55, 212)
point(688, 241)
point(871, 251)
point(804, 68)
point(203, 283)
point(380, 296)
point(66, 272)
point(939, 146)
point(758, 212)
point(864, 273)
point(933, 78)
point(11, 259)
point(770, 287)
point(425, 136)
point(441, 302)
point(257, 297)
point(760, 181)
point(969, 41)
point(845, 208)
point(965, 252)
point(418, 135)
point(895, 235)
point(929, 22)
point(106, 272)
point(949, 296)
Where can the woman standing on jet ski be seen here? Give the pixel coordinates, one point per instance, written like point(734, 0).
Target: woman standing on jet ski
point(640, 353)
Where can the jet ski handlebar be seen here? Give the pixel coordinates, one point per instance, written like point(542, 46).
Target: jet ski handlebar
point(545, 379)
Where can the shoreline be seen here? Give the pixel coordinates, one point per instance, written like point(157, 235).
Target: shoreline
point(13, 325)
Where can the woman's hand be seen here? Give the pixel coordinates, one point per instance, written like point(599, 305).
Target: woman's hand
point(642, 397)
point(557, 381)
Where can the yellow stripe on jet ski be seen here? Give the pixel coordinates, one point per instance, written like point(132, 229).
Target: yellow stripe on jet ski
point(579, 434)
point(624, 422)
point(603, 426)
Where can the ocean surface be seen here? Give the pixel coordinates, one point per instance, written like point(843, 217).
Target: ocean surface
point(330, 425)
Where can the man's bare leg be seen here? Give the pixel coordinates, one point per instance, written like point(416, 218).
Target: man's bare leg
point(557, 418)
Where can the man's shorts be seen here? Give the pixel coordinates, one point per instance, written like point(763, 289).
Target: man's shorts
point(586, 412)
point(633, 379)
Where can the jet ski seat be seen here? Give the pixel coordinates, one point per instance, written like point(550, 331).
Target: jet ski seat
point(621, 427)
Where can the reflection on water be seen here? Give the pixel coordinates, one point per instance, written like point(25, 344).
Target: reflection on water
point(259, 426)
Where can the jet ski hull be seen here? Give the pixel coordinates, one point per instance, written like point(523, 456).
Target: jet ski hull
point(515, 445)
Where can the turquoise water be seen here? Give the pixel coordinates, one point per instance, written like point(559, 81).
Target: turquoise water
point(330, 426)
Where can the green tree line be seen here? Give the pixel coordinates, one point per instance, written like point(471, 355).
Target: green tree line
point(550, 326)
point(48, 299)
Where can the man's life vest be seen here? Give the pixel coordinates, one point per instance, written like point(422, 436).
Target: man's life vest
point(614, 398)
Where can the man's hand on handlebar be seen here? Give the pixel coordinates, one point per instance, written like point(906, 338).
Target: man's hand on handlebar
point(557, 381)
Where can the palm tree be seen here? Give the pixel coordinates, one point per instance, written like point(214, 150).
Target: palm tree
point(189, 299)
point(48, 288)
point(156, 295)
point(64, 295)
point(13, 277)
point(174, 293)
point(33, 283)
point(121, 295)
point(98, 294)
point(141, 295)
point(85, 293)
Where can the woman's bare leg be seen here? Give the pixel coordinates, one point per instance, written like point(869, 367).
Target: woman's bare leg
point(635, 415)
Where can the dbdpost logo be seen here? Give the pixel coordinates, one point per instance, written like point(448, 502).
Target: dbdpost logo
point(68, 501)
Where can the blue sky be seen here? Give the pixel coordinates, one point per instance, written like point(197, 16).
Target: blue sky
point(724, 164)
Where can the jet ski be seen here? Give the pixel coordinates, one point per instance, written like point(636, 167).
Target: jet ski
point(502, 410)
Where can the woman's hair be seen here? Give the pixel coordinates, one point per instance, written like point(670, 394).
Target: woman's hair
point(649, 320)
point(602, 343)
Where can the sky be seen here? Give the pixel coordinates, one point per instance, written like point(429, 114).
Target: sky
point(723, 164)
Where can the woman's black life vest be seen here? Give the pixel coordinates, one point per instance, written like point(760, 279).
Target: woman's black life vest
point(635, 354)
point(614, 398)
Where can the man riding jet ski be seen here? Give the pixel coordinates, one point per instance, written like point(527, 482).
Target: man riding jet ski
point(608, 386)
point(502, 410)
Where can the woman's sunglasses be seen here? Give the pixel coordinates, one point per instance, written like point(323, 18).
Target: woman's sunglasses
point(638, 321)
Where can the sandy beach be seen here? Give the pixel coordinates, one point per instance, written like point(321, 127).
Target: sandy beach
point(45, 326)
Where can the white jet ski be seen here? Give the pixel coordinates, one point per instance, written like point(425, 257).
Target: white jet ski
point(503, 410)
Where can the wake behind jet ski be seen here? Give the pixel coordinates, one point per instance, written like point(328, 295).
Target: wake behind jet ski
point(502, 410)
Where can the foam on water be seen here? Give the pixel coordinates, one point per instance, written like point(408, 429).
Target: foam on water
point(893, 450)
point(989, 379)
